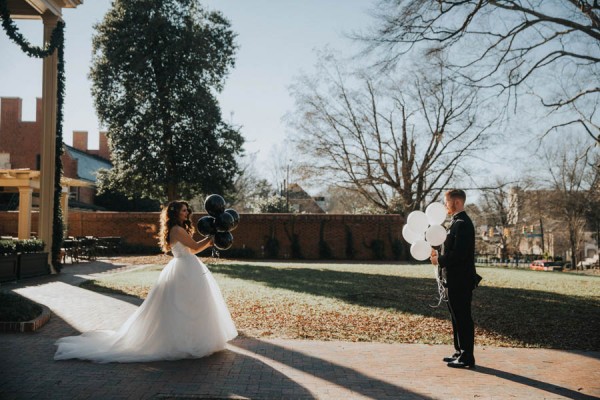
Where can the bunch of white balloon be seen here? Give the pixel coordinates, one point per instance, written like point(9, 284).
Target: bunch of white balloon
point(424, 229)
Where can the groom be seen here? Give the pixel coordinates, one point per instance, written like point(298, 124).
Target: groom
point(457, 264)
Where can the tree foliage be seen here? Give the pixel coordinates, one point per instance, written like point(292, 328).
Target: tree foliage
point(549, 46)
point(271, 204)
point(157, 66)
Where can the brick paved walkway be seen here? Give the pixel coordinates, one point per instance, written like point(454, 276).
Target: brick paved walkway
point(268, 368)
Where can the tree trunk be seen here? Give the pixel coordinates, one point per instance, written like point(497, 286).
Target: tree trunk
point(172, 191)
point(573, 243)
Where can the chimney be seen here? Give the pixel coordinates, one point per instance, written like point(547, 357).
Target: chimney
point(103, 149)
point(80, 140)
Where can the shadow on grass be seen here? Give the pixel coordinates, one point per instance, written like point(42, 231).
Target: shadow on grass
point(115, 293)
point(525, 317)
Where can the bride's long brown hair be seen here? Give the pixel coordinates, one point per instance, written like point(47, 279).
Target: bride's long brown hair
point(169, 217)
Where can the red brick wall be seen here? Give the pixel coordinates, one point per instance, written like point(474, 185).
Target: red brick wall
point(22, 139)
point(87, 195)
point(19, 138)
point(80, 140)
point(69, 166)
point(253, 231)
point(103, 150)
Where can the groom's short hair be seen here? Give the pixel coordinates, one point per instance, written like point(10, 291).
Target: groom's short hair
point(457, 194)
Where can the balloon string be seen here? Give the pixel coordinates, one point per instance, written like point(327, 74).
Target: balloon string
point(441, 289)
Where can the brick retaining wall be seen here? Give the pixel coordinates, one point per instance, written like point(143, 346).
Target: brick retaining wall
point(141, 228)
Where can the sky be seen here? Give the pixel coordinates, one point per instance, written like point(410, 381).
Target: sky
point(277, 41)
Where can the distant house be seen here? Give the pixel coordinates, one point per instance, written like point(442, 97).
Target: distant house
point(81, 165)
point(20, 143)
point(302, 202)
point(540, 230)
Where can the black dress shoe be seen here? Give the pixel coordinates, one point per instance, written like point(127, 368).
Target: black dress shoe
point(451, 358)
point(462, 364)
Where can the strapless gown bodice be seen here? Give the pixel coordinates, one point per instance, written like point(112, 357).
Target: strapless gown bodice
point(179, 250)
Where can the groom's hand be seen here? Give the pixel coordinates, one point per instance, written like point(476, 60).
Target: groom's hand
point(434, 257)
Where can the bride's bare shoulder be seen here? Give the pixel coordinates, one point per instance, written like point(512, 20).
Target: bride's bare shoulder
point(177, 229)
point(176, 234)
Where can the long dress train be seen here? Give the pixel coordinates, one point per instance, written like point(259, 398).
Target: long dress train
point(183, 316)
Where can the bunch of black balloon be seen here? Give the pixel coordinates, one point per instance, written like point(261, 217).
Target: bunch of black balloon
point(219, 222)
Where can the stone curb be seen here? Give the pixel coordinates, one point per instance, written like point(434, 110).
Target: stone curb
point(27, 326)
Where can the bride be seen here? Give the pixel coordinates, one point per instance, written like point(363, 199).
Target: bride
point(183, 316)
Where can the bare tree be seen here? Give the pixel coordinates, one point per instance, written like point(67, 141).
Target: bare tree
point(397, 144)
point(248, 186)
point(282, 166)
point(575, 180)
point(552, 46)
point(346, 201)
point(594, 219)
point(496, 207)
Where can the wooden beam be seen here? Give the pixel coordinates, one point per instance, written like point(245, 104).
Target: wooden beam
point(33, 9)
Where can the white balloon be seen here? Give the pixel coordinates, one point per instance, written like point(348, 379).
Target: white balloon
point(420, 250)
point(417, 221)
point(411, 236)
point(436, 213)
point(435, 235)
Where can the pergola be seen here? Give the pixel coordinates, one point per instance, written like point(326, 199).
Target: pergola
point(50, 12)
point(25, 182)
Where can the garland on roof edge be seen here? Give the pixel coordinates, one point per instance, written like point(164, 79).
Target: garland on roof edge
point(57, 42)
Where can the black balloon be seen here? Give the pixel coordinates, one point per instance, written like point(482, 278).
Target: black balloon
point(206, 226)
point(224, 222)
point(214, 205)
point(223, 240)
point(236, 217)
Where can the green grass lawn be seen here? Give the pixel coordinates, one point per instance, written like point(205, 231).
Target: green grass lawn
point(391, 303)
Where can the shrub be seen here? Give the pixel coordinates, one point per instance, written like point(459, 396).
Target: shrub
point(272, 248)
point(325, 252)
point(128, 248)
point(397, 249)
point(378, 249)
point(349, 244)
point(239, 253)
point(295, 247)
point(29, 246)
point(7, 247)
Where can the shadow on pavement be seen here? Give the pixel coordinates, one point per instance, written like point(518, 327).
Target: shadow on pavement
point(29, 371)
point(548, 387)
point(334, 373)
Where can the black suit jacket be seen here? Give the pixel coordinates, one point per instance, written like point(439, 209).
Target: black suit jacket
point(457, 259)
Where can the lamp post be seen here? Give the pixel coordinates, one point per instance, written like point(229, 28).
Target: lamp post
point(287, 189)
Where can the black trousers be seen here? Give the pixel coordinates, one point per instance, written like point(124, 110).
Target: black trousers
point(463, 328)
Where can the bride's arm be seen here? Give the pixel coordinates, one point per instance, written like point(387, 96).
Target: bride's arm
point(178, 234)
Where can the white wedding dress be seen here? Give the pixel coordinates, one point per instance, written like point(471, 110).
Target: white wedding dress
point(183, 316)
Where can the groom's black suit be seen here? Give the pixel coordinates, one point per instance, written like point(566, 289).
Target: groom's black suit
point(457, 264)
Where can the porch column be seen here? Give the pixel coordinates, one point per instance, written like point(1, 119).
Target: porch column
point(48, 144)
point(64, 203)
point(25, 212)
